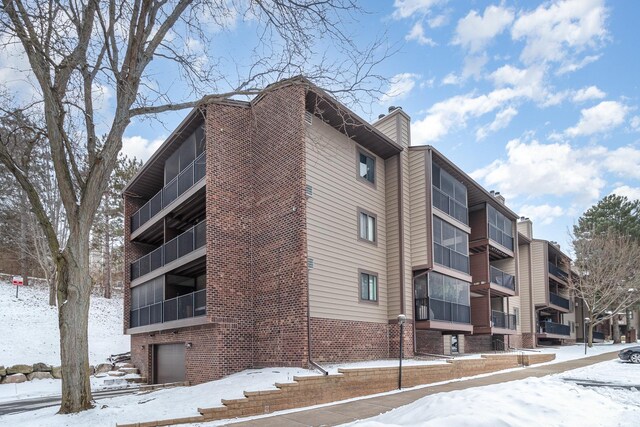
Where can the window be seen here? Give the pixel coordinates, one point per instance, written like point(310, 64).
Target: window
point(500, 228)
point(440, 297)
point(368, 286)
point(366, 167)
point(449, 194)
point(366, 226)
point(450, 246)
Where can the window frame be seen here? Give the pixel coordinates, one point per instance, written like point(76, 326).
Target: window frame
point(362, 272)
point(359, 152)
point(375, 226)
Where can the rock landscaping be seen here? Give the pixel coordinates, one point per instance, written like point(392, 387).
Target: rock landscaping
point(40, 371)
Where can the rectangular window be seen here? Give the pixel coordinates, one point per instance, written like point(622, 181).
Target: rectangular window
point(366, 226)
point(450, 246)
point(449, 194)
point(500, 228)
point(366, 167)
point(445, 298)
point(368, 287)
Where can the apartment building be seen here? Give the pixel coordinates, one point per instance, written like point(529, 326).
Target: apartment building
point(287, 231)
point(548, 315)
point(464, 259)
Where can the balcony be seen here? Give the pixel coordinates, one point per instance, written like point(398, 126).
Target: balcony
point(186, 179)
point(450, 206)
point(559, 301)
point(187, 242)
point(182, 307)
point(598, 336)
point(500, 237)
point(503, 320)
point(558, 272)
point(555, 328)
point(501, 278)
point(449, 258)
point(434, 309)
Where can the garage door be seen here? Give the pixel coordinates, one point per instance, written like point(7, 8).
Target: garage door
point(169, 363)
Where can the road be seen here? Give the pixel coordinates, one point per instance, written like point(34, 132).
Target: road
point(24, 405)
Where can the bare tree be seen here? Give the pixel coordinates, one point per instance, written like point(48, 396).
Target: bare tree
point(608, 278)
point(76, 46)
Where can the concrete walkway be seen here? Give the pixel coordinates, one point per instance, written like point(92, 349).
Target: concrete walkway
point(370, 407)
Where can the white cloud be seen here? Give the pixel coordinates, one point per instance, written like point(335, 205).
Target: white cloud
point(635, 122)
point(139, 147)
point(631, 193)
point(15, 70)
point(558, 31)
point(417, 34)
point(474, 31)
point(541, 214)
point(624, 161)
point(534, 169)
point(587, 93)
point(406, 8)
point(573, 65)
point(501, 121)
point(438, 21)
point(451, 79)
point(600, 118)
point(473, 66)
point(399, 87)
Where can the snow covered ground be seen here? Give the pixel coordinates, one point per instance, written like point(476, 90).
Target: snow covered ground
point(548, 401)
point(524, 401)
point(30, 327)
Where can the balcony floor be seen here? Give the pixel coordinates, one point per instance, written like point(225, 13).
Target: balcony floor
point(440, 325)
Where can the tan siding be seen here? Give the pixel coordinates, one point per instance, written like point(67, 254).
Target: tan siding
point(332, 226)
point(539, 278)
point(524, 286)
point(393, 260)
point(418, 208)
point(406, 187)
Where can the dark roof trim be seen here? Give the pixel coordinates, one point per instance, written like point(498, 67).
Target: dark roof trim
point(440, 157)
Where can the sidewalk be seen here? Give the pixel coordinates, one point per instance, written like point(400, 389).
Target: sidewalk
point(370, 407)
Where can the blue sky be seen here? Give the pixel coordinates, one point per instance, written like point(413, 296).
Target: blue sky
point(537, 100)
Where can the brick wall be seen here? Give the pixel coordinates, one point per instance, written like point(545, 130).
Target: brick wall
point(394, 340)
point(528, 340)
point(230, 287)
point(515, 341)
point(430, 342)
point(279, 245)
point(477, 343)
point(350, 383)
point(198, 358)
point(345, 340)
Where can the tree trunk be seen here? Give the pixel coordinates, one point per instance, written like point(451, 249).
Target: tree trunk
point(74, 291)
point(107, 259)
point(24, 260)
point(52, 289)
point(615, 325)
point(590, 334)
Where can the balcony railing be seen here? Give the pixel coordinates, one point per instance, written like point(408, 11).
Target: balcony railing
point(559, 301)
point(558, 272)
point(555, 328)
point(503, 320)
point(503, 279)
point(174, 189)
point(450, 206)
point(449, 258)
point(182, 307)
point(500, 237)
point(434, 309)
point(598, 336)
point(187, 242)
